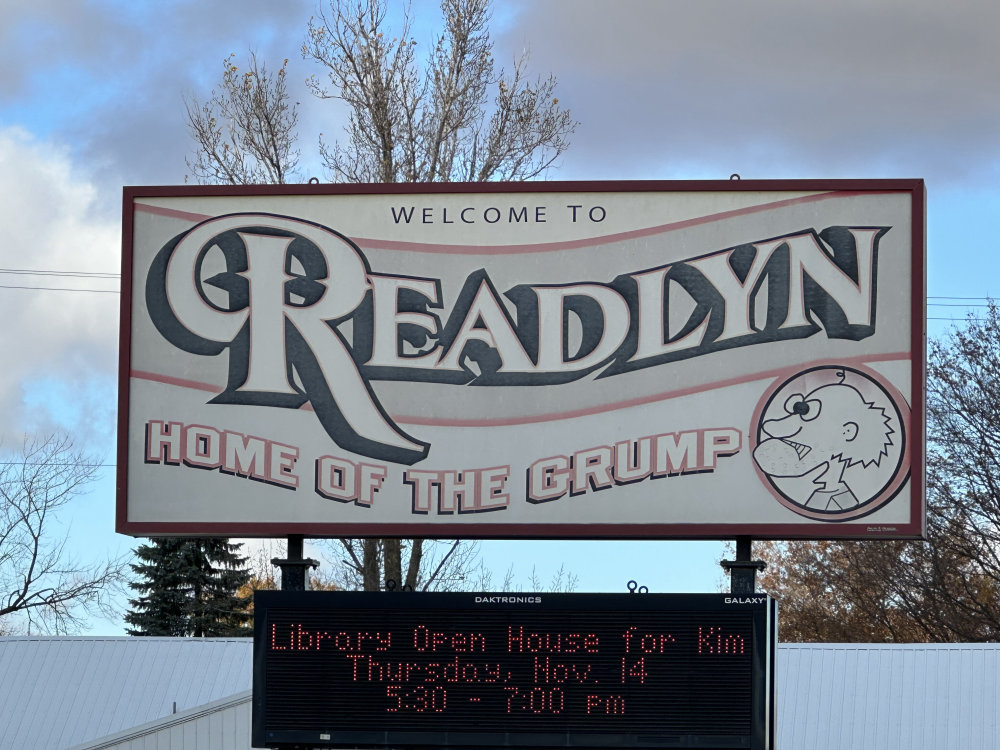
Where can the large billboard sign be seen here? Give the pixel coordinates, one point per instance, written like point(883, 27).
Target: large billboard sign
point(632, 360)
point(356, 669)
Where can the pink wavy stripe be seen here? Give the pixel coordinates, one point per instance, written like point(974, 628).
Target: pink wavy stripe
point(173, 213)
point(193, 385)
point(544, 247)
point(555, 416)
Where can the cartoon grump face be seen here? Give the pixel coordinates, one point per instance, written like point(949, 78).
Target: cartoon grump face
point(832, 422)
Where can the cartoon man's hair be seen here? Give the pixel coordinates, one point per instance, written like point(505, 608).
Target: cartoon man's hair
point(874, 431)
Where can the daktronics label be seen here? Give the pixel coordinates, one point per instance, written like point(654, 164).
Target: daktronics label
point(437, 669)
point(700, 359)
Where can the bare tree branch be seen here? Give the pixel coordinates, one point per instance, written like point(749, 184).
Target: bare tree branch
point(354, 562)
point(449, 562)
point(438, 123)
point(41, 586)
point(440, 566)
point(245, 131)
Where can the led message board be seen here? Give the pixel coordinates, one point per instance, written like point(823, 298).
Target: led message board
point(597, 360)
point(352, 669)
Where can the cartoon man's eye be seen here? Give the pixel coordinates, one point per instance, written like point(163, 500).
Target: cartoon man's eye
point(809, 410)
point(806, 410)
point(794, 403)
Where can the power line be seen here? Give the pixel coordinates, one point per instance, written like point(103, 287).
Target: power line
point(949, 304)
point(61, 275)
point(118, 291)
point(975, 298)
point(46, 463)
point(980, 302)
point(74, 274)
point(60, 289)
point(109, 275)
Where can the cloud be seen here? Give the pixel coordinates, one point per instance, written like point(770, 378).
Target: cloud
point(773, 88)
point(107, 77)
point(53, 339)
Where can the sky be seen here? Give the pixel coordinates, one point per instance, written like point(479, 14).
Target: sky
point(92, 96)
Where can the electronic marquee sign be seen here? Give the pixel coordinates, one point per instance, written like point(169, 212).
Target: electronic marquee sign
point(354, 669)
point(550, 360)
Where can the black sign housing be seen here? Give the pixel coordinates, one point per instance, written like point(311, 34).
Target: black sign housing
point(462, 670)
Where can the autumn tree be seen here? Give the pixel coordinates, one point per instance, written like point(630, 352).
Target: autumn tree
point(447, 114)
point(263, 576)
point(824, 598)
point(42, 585)
point(946, 588)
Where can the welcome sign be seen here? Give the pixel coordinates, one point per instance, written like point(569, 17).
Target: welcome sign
point(636, 360)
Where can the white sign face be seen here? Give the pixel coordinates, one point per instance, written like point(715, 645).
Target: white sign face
point(640, 360)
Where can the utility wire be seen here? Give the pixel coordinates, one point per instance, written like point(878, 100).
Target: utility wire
point(75, 274)
point(976, 298)
point(60, 289)
point(950, 304)
point(61, 275)
point(46, 463)
point(118, 291)
point(109, 275)
point(980, 302)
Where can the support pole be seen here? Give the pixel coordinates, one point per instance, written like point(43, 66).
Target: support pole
point(295, 567)
point(743, 570)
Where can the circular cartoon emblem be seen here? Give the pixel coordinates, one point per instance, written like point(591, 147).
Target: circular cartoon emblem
point(830, 442)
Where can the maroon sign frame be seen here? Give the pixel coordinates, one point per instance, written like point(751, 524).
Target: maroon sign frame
point(156, 221)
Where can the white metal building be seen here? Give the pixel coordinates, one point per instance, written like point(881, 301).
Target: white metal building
point(875, 696)
point(58, 693)
point(174, 693)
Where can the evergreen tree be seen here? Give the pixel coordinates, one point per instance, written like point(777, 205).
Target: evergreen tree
point(189, 587)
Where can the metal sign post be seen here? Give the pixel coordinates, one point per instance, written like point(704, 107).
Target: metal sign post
point(743, 570)
point(295, 566)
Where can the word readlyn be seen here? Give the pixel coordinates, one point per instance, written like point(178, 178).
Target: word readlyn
point(287, 279)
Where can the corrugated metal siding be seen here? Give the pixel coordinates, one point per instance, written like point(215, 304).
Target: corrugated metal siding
point(222, 725)
point(60, 692)
point(884, 697)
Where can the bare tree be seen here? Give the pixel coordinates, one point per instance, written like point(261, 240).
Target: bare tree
point(42, 586)
point(448, 117)
point(442, 565)
point(245, 131)
point(435, 123)
point(428, 123)
point(561, 582)
point(946, 588)
point(420, 564)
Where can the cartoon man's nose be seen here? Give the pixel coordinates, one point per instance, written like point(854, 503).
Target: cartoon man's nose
point(782, 428)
